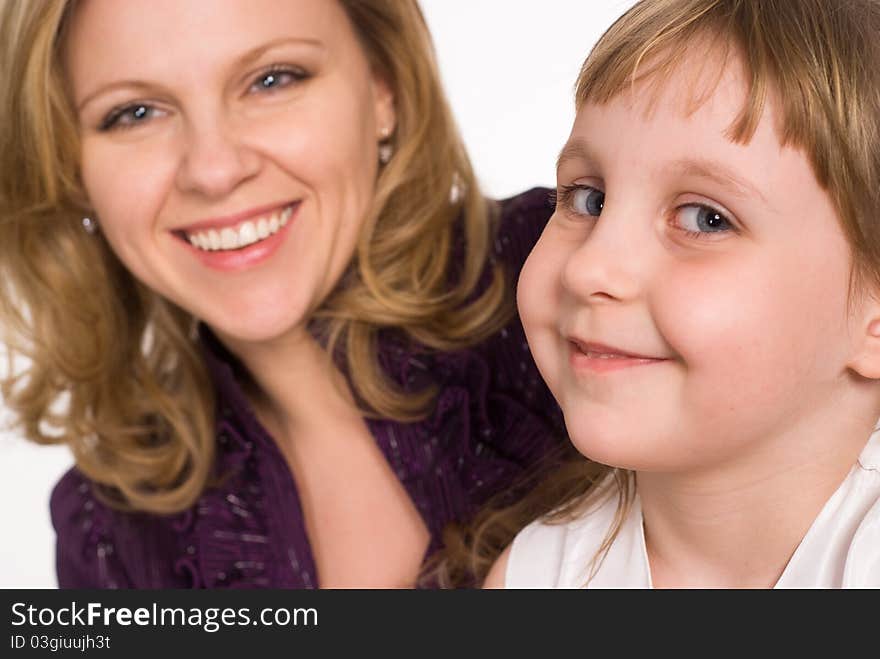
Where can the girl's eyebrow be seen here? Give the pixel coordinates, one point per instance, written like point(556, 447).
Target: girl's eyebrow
point(710, 170)
point(242, 60)
point(717, 173)
point(576, 149)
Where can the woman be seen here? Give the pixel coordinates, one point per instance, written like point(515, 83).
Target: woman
point(262, 298)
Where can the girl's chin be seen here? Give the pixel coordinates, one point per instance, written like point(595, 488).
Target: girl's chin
point(616, 446)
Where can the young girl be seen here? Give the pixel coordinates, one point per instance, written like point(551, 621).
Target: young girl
point(704, 304)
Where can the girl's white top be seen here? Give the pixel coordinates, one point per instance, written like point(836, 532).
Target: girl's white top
point(840, 550)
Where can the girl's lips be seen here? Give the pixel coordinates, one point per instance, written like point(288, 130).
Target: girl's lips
point(251, 255)
point(600, 358)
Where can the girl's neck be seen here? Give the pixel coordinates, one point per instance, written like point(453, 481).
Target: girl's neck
point(737, 524)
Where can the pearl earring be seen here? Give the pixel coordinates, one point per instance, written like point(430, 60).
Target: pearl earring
point(385, 149)
point(90, 225)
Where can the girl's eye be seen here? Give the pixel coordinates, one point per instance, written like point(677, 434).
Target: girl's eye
point(277, 78)
point(698, 219)
point(129, 116)
point(584, 200)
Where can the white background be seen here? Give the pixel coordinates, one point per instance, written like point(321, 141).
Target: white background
point(509, 67)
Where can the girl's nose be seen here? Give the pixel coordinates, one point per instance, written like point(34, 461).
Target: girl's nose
point(611, 265)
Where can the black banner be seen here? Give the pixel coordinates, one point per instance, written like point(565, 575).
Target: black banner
point(470, 623)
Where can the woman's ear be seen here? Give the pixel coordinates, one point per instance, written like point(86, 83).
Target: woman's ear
point(866, 357)
point(386, 112)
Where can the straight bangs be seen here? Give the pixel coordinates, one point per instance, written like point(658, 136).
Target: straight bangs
point(819, 60)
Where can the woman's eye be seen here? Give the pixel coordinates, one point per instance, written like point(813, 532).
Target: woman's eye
point(129, 116)
point(586, 200)
point(277, 79)
point(696, 218)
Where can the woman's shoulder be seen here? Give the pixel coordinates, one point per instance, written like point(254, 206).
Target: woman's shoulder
point(219, 541)
point(533, 205)
point(522, 219)
point(86, 554)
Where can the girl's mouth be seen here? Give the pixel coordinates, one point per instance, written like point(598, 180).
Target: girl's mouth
point(600, 358)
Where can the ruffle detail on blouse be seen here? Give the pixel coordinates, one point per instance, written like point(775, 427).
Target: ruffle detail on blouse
point(493, 418)
point(226, 540)
point(86, 554)
point(476, 440)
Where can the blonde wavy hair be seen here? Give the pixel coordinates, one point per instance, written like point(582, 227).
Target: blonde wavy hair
point(820, 62)
point(115, 371)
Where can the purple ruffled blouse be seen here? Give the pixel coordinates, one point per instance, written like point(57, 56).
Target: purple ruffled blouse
point(493, 419)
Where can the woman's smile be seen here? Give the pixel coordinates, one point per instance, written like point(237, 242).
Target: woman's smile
point(241, 241)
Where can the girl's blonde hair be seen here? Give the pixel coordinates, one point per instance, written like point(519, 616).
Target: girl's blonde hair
point(819, 60)
point(115, 371)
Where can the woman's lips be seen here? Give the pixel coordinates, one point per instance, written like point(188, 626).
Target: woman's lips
point(243, 243)
point(601, 358)
point(241, 234)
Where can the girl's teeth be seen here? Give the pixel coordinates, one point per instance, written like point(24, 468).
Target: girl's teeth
point(248, 233)
point(602, 355)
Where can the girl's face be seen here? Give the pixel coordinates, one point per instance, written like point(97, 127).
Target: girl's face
point(687, 302)
point(229, 149)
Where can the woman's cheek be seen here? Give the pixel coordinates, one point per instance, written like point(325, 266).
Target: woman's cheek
point(119, 180)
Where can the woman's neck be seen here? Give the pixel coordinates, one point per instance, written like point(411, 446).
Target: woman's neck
point(737, 524)
point(296, 387)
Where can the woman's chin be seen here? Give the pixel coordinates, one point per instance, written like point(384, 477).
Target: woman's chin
point(255, 328)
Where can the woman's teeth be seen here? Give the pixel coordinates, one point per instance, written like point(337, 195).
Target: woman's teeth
point(242, 235)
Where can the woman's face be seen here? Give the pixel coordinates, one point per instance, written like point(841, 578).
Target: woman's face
point(229, 149)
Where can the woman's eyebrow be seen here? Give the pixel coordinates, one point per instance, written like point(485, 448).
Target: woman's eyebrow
point(256, 53)
point(243, 60)
point(119, 84)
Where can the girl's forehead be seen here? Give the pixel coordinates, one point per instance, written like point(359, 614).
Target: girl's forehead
point(707, 78)
point(686, 83)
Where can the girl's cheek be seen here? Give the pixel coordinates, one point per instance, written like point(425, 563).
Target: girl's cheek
point(537, 289)
point(539, 304)
point(701, 314)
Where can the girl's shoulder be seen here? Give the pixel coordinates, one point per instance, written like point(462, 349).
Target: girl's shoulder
point(862, 568)
point(560, 553)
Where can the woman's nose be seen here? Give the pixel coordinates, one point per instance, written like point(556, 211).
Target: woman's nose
point(612, 263)
point(215, 160)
